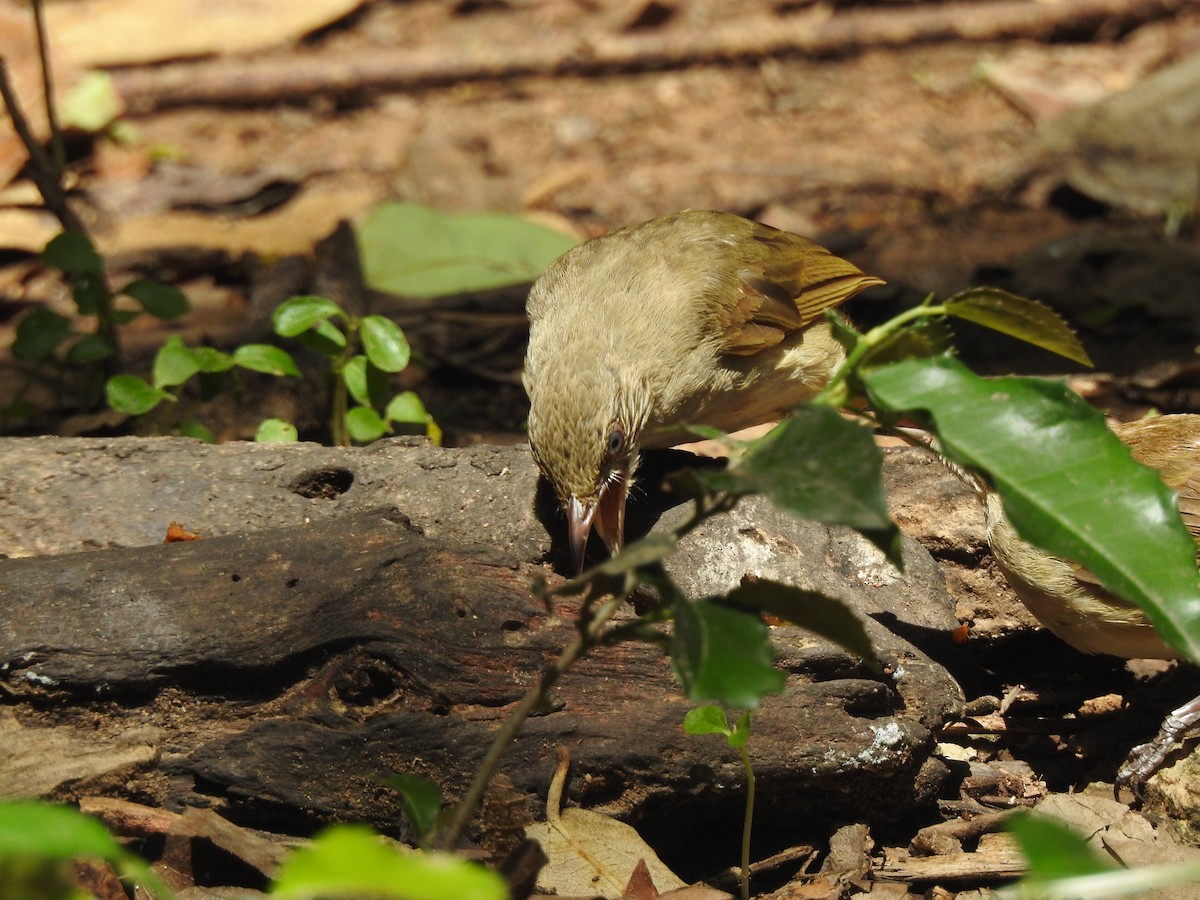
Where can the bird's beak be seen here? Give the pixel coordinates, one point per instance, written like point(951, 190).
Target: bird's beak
point(607, 514)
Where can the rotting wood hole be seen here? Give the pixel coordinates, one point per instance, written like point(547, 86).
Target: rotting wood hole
point(323, 484)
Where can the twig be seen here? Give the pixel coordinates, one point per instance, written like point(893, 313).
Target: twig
point(57, 148)
point(271, 80)
point(587, 637)
point(47, 176)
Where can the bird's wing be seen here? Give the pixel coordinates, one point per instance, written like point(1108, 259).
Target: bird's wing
point(789, 282)
point(1170, 444)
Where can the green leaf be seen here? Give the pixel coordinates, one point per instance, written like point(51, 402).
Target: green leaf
point(1067, 484)
point(365, 425)
point(843, 332)
point(276, 431)
point(354, 374)
point(641, 554)
point(420, 252)
point(211, 360)
point(38, 335)
point(194, 429)
point(723, 655)
point(422, 799)
point(349, 860)
point(384, 343)
point(1052, 849)
point(92, 103)
point(90, 348)
point(299, 314)
point(741, 731)
point(160, 300)
point(828, 617)
point(819, 466)
point(706, 720)
point(72, 252)
point(54, 832)
point(406, 407)
point(130, 394)
point(266, 359)
point(31, 831)
point(1020, 317)
point(324, 338)
point(174, 363)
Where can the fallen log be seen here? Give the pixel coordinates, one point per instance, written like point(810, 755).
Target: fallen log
point(354, 613)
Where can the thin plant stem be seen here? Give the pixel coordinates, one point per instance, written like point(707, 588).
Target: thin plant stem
point(834, 392)
point(747, 822)
point(57, 148)
point(584, 640)
point(47, 176)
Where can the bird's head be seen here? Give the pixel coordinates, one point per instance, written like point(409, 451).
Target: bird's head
point(585, 430)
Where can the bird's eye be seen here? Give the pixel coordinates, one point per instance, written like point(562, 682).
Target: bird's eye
point(616, 439)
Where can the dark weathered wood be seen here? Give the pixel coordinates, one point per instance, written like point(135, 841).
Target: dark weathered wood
point(283, 671)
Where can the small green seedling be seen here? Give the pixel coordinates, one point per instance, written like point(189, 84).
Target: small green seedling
point(314, 321)
point(712, 720)
point(175, 364)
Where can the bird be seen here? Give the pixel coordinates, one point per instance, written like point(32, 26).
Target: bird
point(695, 318)
point(1069, 601)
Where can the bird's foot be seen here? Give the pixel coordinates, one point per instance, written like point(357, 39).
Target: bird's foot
point(1146, 759)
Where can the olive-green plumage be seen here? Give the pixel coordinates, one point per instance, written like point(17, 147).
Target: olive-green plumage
point(697, 318)
point(1069, 601)
point(1064, 596)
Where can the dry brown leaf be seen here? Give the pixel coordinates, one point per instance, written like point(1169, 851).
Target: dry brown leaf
point(26, 229)
point(590, 853)
point(124, 32)
point(292, 229)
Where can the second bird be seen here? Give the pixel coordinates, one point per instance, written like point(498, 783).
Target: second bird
point(696, 318)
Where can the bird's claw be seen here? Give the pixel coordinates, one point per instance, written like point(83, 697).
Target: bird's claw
point(1146, 759)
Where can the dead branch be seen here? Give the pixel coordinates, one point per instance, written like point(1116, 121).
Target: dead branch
point(300, 78)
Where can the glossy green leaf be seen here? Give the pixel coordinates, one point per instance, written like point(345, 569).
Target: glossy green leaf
point(706, 720)
point(828, 617)
point(1030, 321)
point(267, 359)
point(174, 363)
point(1068, 485)
point(351, 860)
point(38, 335)
point(723, 655)
point(298, 314)
point(355, 375)
point(324, 338)
point(819, 466)
point(72, 252)
point(365, 425)
point(406, 407)
point(130, 394)
point(420, 252)
point(160, 300)
point(276, 431)
point(422, 799)
point(384, 343)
